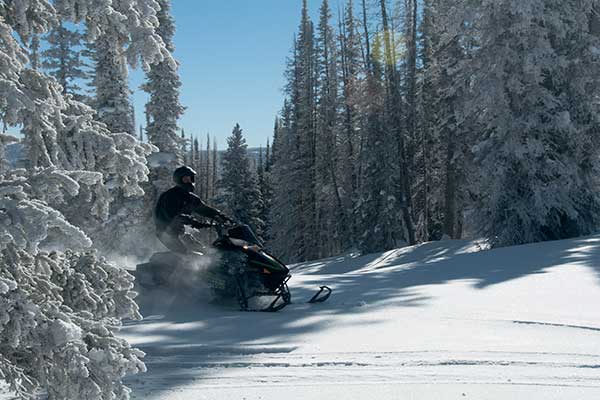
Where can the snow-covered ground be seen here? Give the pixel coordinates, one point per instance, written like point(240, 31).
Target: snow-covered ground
point(435, 321)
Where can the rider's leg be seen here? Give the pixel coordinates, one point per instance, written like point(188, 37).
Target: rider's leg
point(172, 242)
point(191, 244)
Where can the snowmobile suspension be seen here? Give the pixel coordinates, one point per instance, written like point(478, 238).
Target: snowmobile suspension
point(282, 293)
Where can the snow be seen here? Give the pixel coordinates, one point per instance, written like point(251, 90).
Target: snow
point(64, 332)
point(437, 320)
point(161, 159)
point(7, 285)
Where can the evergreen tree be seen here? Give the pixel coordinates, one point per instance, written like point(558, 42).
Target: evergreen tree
point(206, 170)
point(379, 214)
point(130, 215)
point(395, 122)
point(266, 193)
point(411, 142)
point(331, 213)
point(239, 192)
point(537, 151)
point(63, 60)
point(59, 308)
point(445, 135)
point(289, 214)
point(111, 83)
point(480, 125)
point(304, 121)
point(197, 161)
point(268, 159)
point(184, 143)
point(193, 153)
point(163, 108)
point(34, 52)
point(284, 232)
point(276, 133)
point(214, 180)
point(351, 138)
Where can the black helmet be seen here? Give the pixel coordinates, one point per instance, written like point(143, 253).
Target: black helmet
point(181, 172)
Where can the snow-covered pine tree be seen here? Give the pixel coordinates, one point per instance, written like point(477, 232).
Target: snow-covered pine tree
point(276, 139)
point(444, 134)
point(419, 213)
point(288, 227)
point(239, 195)
point(60, 133)
point(34, 52)
point(163, 111)
point(366, 39)
point(206, 170)
point(164, 108)
point(350, 134)
point(395, 122)
point(59, 310)
point(428, 191)
point(286, 196)
point(303, 173)
point(379, 211)
point(534, 98)
point(111, 82)
point(185, 143)
point(331, 214)
point(197, 163)
point(214, 172)
point(268, 158)
point(62, 60)
point(266, 193)
point(191, 152)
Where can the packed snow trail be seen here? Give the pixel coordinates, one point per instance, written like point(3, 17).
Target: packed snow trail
point(438, 320)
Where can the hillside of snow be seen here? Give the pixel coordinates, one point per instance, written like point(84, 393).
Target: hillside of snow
point(438, 320)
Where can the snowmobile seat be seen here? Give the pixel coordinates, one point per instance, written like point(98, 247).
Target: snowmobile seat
point(167, 259)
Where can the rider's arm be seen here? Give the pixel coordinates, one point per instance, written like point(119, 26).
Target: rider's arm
point(204, 210)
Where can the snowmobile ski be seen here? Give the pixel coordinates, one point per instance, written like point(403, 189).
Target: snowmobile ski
point(318, 297)
point(282, 298)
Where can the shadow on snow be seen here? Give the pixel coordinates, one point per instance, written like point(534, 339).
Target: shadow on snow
point(190, 336)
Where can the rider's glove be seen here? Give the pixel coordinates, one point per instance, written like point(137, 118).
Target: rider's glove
point(183, 219)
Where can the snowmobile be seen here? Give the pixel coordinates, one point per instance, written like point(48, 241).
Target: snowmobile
point(245, 271)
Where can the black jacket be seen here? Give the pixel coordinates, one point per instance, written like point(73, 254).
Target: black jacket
point(175, 203)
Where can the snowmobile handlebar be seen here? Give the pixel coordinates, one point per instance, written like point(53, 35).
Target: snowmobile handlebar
point(201, 225)
point(223, 226)
point(225, 220)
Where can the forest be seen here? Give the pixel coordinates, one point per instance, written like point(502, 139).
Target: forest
point(415, 121)
point(402, 122)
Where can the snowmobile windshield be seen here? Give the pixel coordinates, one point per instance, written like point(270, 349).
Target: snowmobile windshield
point(243, 232)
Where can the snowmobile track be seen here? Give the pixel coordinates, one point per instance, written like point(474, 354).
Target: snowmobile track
point(505, 368)
point(588, 328)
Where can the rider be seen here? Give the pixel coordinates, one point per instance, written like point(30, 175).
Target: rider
point(174, 211)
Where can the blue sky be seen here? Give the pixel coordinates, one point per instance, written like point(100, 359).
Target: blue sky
point(232, 60)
